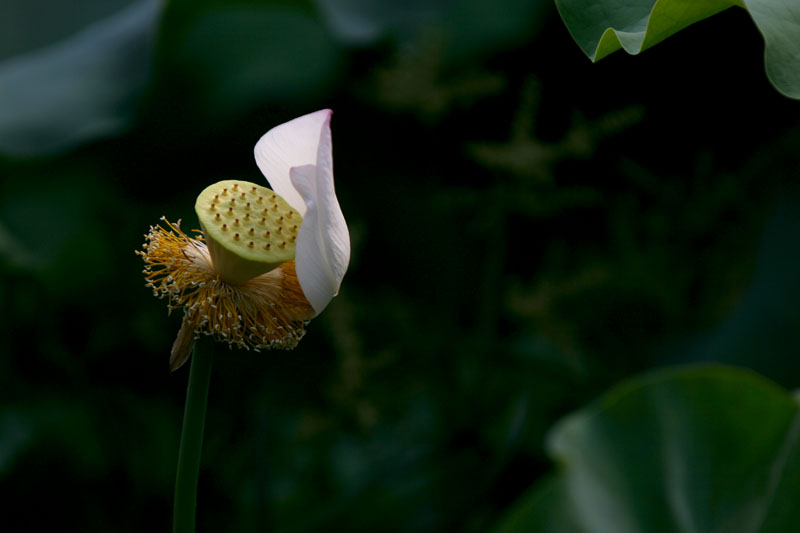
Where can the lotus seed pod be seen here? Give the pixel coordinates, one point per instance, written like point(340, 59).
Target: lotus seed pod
point(249, 229)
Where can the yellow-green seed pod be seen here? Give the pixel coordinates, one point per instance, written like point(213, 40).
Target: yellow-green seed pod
point(249, 229)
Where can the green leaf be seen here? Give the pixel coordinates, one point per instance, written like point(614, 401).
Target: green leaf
point(602, 27)
point(779, 23)
point(686, 449)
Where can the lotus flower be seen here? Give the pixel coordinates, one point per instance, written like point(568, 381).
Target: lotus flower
point(266, 261)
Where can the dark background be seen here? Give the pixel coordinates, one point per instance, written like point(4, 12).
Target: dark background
point(528, 230)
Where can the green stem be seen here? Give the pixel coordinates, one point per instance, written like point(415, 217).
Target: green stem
point(194, 418)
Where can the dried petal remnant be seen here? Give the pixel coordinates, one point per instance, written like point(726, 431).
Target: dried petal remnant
point(266, 312)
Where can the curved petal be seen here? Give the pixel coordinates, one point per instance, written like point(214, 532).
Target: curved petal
point(292, 144)
point(323, 242)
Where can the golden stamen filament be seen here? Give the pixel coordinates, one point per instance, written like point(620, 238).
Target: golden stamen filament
point(266, 312)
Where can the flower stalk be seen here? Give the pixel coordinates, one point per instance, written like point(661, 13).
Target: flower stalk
point(194, 417)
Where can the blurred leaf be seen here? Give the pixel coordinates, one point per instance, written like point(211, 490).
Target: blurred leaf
point(78, 89)
point(472, 26)
point(601, 28)
point(762, 332)
point(12, 251)
point(684, 449)
point(416, 81)
point(15, 436)
point(29, 236)
point(24, 427)
point(484, 26)
point(25, 29)
point(366, 21)
point(239, 57)
point(37, 228)
point(542, 509)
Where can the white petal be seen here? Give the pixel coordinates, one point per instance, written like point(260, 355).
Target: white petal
point(292, 144)
point(323, 242)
